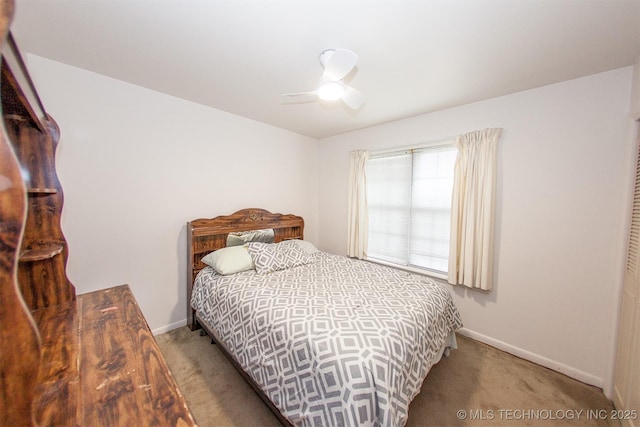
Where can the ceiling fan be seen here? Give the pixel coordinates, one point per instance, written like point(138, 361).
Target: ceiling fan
point(337, 63)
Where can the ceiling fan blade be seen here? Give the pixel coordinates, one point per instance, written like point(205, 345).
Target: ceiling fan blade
point(337, 63)
point(299, 97)
point(353, 98)
point(313, 92)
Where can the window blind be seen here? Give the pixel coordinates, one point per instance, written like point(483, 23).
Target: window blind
point(389, 205)
point(409, 200)
point(633, 246)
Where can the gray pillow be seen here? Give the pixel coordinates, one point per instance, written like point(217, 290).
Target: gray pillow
point(306, 246)
point(270, 257)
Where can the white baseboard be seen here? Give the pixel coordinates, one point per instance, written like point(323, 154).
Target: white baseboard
point(535, 358)
point(169, 327)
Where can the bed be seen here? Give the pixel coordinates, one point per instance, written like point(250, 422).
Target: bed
point(324, 339)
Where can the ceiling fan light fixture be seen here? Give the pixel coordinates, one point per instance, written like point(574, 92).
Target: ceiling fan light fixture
point(330, 90)
point(337, 64)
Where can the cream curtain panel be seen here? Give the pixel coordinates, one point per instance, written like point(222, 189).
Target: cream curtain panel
point(358, 230)
point(473, 210)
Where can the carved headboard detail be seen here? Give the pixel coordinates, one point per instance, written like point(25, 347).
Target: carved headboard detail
point(207, 235)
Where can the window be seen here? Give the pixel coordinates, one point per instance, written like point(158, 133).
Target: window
point(409, 202)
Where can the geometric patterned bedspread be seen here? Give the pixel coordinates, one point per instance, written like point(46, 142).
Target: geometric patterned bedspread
point(337, 342)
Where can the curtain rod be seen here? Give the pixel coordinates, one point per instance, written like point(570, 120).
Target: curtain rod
point(435, 143)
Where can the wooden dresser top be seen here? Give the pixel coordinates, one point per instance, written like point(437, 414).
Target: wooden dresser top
point(103, 367)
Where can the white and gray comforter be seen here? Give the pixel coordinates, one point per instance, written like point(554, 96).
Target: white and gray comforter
point(337, 342)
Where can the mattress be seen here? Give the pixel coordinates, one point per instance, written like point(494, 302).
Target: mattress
point(336, 342)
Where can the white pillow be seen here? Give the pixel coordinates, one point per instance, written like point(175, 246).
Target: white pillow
point(232, 259)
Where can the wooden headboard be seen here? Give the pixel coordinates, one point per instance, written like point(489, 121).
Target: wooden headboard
point(207, 235)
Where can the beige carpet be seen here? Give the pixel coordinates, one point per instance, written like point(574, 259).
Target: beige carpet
point(477, 385)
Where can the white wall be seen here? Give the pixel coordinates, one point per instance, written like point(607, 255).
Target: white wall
point(635, 91)
point(136, 165)
point(562, 183)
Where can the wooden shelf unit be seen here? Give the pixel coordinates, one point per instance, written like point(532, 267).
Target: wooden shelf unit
point(41, 191)
point(33, 136)
point(44, 251)
point(66, 360)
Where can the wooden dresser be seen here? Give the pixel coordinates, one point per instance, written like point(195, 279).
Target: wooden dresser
point(65, 360)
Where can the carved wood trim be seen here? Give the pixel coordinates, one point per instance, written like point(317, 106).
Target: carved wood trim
point(44, 251)
point(19, 338)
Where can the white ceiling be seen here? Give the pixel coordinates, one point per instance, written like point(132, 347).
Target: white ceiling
point(415, 56)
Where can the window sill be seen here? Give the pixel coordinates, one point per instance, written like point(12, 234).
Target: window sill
point(422, 271)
